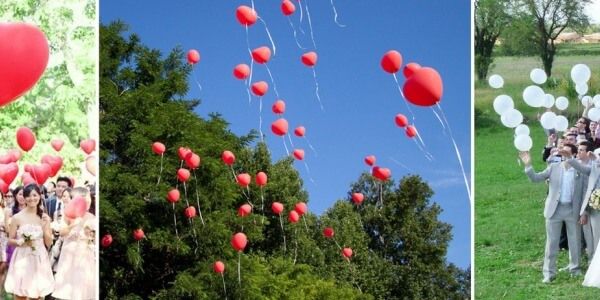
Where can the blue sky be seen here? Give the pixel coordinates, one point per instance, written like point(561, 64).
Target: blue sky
point(360, 100)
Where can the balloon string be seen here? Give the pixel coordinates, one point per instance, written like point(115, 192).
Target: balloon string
point(175, 224)
point(317, 88)
point(161, 169)
point(335, 17)
point(423, 148)
point(301, 17)
point(249, 202)
point(196, 79)
point(272, 80)
point(262, 205)
point(305, 225)
point(198, 198)
point(260, 119)
point(353, 271)
point(239, 273)
point(295, 33)
point(269, 34)
point(402, 94)
point(233, 172)
point(224, 288)
point(311, 146)
point(185, 194)
point(290, 139)
point(308, 172)
point(400, 164)
point(249, 81)
point(284, 145)
point(337, 244)
point(462, 168)
point(312, 37)
point(295, 244)
point(439, 119)
point(381, 193)
point(282, 233)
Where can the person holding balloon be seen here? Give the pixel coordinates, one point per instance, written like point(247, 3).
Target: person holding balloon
point(75, 272)
point(29, 272)
point(563, 203)
point(58, 223)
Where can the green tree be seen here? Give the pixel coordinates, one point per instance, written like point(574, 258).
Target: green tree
point(491, 17)
point(518, 39)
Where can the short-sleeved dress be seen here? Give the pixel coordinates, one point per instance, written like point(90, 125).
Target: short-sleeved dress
point(29, 273)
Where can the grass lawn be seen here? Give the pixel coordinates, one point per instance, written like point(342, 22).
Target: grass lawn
point(509, 223)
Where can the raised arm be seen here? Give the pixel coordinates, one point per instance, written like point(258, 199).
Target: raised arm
point(581, 168)
point(533, 176)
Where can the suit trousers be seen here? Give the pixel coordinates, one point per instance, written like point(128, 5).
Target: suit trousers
point(563, 213)
point(594, 221)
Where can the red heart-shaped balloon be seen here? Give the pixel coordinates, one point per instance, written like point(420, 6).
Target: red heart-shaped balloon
point(193, 56)
point(88, 146)
point(300, 208)
point(299, 154)
point(391, 61)
point(57, 144)
point(261, 54)
point(27, 179)
point(370, 160)
point(280, 127)
point(300, 131)
point(193, 161)
point(328, 232)
point(424, 87)
point(183, 175)
point(158, 148)
point(401, 120)
point(23, 59)
point(106, 240)
point(411, 131)
point(382, 174)
point(293, 217)
point(278, 107)
point(277, 207)
point(3, 187)
point(245, 15)
point(173, 195)
point(357, 198)
point(183, 152)
point(287, 7)
point(347, 252)
point(76, 208)
point(243, 179)
point(261, 179)
point(41, 173)
point(25, 138)
point(239, 241)
point(228, 157)
point(219, 267)
point(309, 58)
point(190, 212)
point(244, 210)
point(260, 88)
point(138, 234)
point(241, 71)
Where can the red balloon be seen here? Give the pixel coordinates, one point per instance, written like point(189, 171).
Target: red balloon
point(88, 146)
point(411, 131)
point(424, 87)
point(15, 153)
point(6, 159)
point(173, 195)
point(241, 71)
point(347, 252)
point(158, 148)
point(41, 173)
point(287, 7)
point(391, 61)
point(244, 210)
point(55, 162)
point(300, 208)
point(239, 241)
point(25, 137)
point(277, 207)
point(27, 179)
point(357, 198)
point(193, 161)
point(138, 234)
point(243, 179)
point(410, 69)
point(370, 160)
point(3, 187)
point(76, 208)
point(261, 179)
point(401, 120)
point(24, 54)
point(8, 172)
point(228, 157)
point(299, 154)
point(183, 152)
point(328, 232)
point(261, 54)
point(309, 58)
point(293, 217)
point(219, 267)
point(183, 175)
point(193, 56)
point(278, 107)
point(190, 212)
point(57, 144)
point(280, 127)
point(382, 174)
point(246, 15)
point(299, 131)
point(260, 88)
point(106, 240)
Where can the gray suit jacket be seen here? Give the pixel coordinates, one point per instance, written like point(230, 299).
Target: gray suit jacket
point(593, 172)
point(554, 172)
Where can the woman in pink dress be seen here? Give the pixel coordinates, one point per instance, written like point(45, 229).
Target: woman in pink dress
point(29, 272)
point(76, 269)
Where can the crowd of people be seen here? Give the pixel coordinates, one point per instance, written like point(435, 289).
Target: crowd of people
point(571, 208)
point(43, 252)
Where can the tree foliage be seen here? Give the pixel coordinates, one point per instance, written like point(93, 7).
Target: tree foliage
point(399, 244)
point(491, 17)
point(60, 104)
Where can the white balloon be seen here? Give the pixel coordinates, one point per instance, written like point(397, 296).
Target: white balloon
point(503, 103)
point(548, 120)
point(511, 118)
point(561, 123)
point(522, 129)
point(580, 73)
point(523, 142)
point(548, 101)
point(586, 101)
point(562, 103)
point(534, 96)
point(594, 114)
point(538, 76)
point(581, 88)
point(496, 81)
point(596, 100)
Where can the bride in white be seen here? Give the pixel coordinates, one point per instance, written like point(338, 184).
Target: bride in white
point(592, 276)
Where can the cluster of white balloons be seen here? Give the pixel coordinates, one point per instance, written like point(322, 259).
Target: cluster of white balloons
point(581, 73)
point(511, 117)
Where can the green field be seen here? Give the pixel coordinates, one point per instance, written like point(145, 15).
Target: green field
point(509, 222)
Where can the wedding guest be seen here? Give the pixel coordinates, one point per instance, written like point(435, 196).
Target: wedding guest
point(61, 184)
point(29, 273)
point(57, 224)
point(18, 205)
point(3, 243)
point(75, 273)
point(562, 205)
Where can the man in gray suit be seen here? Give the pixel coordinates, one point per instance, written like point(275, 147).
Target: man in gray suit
point(563, 204)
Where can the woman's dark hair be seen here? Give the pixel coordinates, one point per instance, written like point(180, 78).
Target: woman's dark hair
point(27, 192)
point(15, 208)
point(587, 122)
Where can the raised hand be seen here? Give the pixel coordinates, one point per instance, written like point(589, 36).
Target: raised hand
point(551, 139)
point(525, 157)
